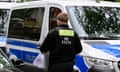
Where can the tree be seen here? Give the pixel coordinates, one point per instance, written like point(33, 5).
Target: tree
point(113, 0)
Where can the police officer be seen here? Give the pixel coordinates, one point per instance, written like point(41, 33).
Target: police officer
point(63, 44)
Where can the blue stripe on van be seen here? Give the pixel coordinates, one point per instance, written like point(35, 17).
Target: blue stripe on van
point(113, 50)
point(24, 55)
point(22, 43)
point(80, 63)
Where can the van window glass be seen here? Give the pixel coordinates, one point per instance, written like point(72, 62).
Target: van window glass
point(95, 21)
point(52, 17)
point(26, 23)
point(4, 14)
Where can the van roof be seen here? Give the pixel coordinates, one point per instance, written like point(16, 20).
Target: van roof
point(85, 2)
point(7, 5)
point(61, 2)
point(72, 3)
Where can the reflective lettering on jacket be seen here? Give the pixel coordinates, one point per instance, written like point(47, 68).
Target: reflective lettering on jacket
point(66, 34)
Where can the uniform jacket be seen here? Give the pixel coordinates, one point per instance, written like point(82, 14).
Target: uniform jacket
point(62, 43)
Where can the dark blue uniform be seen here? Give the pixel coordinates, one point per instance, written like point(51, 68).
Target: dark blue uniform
point(63, 44)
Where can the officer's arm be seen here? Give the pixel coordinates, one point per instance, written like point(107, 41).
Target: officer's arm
point(46, 43)
point(78, 46)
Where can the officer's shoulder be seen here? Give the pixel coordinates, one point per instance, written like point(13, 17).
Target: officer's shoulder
point(54, 30)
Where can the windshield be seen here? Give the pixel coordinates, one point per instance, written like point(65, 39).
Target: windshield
point(3, 21)
point(97, 22)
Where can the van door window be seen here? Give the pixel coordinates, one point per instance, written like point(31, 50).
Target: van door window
point(52, 17)
point(26, 23)
point(4, 14)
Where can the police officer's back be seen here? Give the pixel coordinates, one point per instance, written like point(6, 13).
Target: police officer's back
point(62, 43)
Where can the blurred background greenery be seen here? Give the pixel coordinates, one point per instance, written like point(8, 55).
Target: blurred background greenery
point(113, 0)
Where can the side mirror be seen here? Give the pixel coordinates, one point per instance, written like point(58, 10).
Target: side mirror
point(17, 62)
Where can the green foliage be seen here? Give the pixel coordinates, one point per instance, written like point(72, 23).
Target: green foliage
point(101, 19)
point(117, 0)
point(113, 0)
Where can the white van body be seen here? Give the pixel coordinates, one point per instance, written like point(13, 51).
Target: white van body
point(27, 25)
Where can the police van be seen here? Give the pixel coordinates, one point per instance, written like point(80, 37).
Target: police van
point(24, 26)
